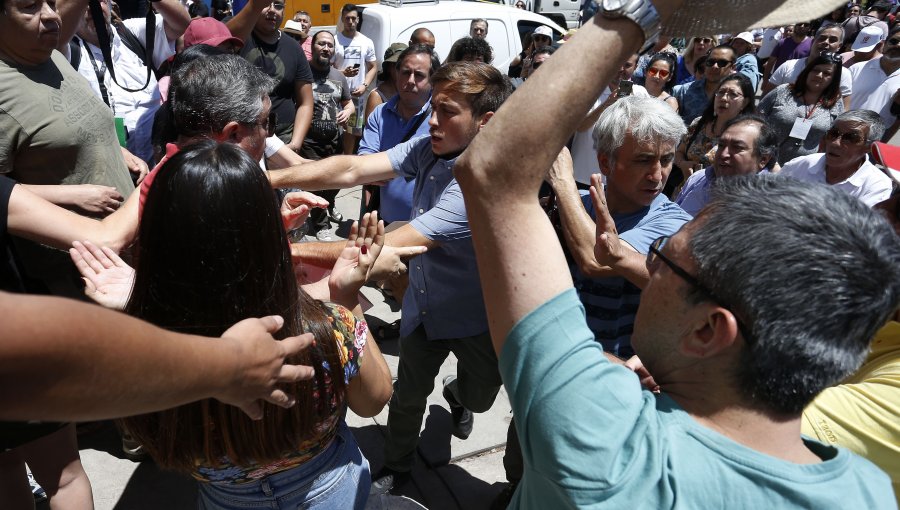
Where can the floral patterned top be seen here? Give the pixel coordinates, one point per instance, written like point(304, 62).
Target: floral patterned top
point(703, 147)
point(350, 335)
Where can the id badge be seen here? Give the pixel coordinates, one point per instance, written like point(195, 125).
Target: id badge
point(801, 128)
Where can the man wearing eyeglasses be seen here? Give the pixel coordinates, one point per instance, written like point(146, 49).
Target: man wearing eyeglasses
point(878, 81)
point(828, 40)
point(693, 97)
point(845, 164)
point(280, 57)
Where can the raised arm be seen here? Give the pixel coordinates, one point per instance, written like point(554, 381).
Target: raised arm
point(336, 172)
point(241, 24)
point(501, 172)
point(87, 346)
point(175, 17)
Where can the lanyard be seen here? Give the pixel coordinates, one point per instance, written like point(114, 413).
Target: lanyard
point(810, 111)
point(100, 71)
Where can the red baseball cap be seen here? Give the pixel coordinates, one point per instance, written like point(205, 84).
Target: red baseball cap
point(209, 31)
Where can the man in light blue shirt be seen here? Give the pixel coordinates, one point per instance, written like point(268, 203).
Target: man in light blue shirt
point(747, 146)
point(401, 118)
point(726, 324)
point(443, 308)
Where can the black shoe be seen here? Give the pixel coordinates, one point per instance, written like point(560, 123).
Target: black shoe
point(463, 419)
point(387, 479)
point(502, 500)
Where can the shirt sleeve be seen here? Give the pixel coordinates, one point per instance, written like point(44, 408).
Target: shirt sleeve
point(846, 83)
point(779, 76)
point(345, 90)
point(551, 367)
point(447, 220)
point(407, 156)
point(371, 141)
point(351, 335)
point(370, 52)
point(304, 73)
point(163, 48)
point(664, 220)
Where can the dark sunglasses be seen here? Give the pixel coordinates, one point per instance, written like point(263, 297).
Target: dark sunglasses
point(704, 40)
point(894, 41)
point(721, 63)
point(850, 137)
point(654, 256)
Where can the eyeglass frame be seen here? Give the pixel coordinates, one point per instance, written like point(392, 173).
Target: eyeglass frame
point(651, 71)
point(655, 252)
point(834, 135)
point(269, 123)
point(728, 95)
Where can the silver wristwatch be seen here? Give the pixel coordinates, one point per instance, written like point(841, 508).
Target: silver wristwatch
point(641, 12)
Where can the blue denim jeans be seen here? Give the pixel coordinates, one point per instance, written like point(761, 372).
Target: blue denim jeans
point(337, 478)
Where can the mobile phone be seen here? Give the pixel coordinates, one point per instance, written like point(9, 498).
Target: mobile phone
point(625, 88)
point(355, 66)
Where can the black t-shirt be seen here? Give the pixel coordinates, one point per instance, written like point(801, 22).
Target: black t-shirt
point(285, 62)
point(330, 89)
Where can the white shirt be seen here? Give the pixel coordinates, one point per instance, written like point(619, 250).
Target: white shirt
point(584, 156)
point(869, 184)
point(130, 72)
point(789, 71)
point(348, 52)
point(874, 89)
point(770, 40)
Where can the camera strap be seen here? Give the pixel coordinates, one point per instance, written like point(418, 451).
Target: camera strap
point(103, 38)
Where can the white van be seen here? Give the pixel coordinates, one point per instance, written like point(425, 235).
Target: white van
point(449, 20)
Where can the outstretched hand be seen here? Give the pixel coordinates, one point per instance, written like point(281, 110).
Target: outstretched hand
point(351, 269)
point(264, 365)
point(107, 278)
point(296, 206)
point(608, 249)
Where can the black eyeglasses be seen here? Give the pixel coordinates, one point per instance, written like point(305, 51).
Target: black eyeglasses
point(834, 58)
point(849, 137)
point(721, 63)
point(894, 41)
point(268, 123)
point(654, 256)
point(704, 40)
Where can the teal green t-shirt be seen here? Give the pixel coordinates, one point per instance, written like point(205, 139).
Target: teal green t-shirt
point(591, 438)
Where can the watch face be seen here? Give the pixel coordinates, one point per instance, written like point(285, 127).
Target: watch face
point(613, 5)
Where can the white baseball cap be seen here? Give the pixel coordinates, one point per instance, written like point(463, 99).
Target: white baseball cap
point(744, 36)
point(868, 38)
point(543, 30)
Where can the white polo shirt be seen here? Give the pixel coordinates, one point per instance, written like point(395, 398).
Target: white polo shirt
point(874, 89)
point(869, 184)
point(584, 157)
point(789, 71)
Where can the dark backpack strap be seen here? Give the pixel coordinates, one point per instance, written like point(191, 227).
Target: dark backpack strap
point(415, 127)
point(74, 53)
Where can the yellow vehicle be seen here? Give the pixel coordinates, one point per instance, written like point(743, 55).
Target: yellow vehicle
point(322, 12)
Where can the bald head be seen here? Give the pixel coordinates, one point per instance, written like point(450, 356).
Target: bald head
point(422, 36)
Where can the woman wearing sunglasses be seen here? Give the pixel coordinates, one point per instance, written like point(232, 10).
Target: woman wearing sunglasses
point(802, 112)
point(659, 77)
point(696, 48)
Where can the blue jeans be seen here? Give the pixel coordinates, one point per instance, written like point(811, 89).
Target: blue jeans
point(337, 478)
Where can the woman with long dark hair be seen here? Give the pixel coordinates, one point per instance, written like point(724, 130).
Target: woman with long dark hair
point(659, 77)
point(735, 96)
point(802, 112)
point(213, 250)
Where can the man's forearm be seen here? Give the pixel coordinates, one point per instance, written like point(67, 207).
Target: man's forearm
point(579, 229)
point(175, 17)
point(86, 363)
point(328, 173)
point(319, 254)
point(302, 120)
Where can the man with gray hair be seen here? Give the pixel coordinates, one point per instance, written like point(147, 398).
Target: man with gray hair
point(747, 145)
point(827, 40)
point(635, 142)
point(845, 163)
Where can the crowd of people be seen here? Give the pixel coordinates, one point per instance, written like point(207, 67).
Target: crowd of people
point(701, 256)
